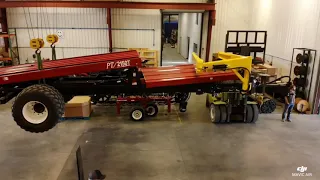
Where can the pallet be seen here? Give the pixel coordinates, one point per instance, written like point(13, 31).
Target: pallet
point(146, 54)
point(138, 49)
point(74, 118)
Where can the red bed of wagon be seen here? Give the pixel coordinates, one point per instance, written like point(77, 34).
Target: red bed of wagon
point(69, 66)
point(182, 75)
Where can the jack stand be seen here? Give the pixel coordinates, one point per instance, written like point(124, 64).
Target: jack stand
point(53, 47)
point(39, 60)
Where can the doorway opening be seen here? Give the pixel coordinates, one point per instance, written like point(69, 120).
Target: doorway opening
point(181, 35)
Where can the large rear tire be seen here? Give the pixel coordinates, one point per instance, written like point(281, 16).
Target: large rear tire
point(215, 114)
point(249, 114)
point(38, 108)
point(255, 113)
point(224, 113)
point(207, 101)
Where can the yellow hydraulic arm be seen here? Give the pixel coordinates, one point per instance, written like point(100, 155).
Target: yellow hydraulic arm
point(229, 62)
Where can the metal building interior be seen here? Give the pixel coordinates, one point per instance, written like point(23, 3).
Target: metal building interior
point(145, 89)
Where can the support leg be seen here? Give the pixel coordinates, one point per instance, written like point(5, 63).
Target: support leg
point(39, 60)
point(54, 57)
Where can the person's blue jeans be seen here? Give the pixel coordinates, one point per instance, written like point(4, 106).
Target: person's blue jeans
point(287, 110)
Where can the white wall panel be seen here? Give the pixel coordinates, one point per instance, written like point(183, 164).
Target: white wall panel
point(136, 29)
point(189, 28)
point(288, 28)
point(84, 30)
point(231, 15)
point(290, 24)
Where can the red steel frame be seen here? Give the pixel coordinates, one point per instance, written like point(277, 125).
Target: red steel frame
point(69, 66)
point(109, 29)
point(153, 77)
point(143, 100)
point(108, 4)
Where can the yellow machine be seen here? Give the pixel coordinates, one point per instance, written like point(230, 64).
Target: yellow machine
point(229, 100)
point(228, 62)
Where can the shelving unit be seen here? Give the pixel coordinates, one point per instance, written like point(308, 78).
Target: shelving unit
point(13, 52)
point(304, 71)
point(146, 54)
point(13, 46)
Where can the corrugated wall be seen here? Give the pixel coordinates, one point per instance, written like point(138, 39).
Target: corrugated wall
point(136, 29)
point(231, 15)
point(143, 27)
point(290, 24)
point(84, 30)
point(287, 29)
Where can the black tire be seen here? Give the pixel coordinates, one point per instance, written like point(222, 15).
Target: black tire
point(183, 106)
point(151, 110)
point(207, 101)
point(255, 113)
point(50, 101)
point(223, 115)
point(249, 114)
point(214, 113)
point(137, 113)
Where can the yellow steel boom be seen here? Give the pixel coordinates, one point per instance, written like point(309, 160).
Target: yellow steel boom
point(230, 62)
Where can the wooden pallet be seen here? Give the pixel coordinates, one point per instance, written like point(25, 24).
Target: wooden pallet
point(74, 118)
point(138, 49)
point(146, 54)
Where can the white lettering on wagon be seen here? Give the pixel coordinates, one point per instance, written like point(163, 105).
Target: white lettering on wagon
point(5, 78)
point(118, 64)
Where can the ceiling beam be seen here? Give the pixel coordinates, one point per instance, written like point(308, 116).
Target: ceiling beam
point(108, 4)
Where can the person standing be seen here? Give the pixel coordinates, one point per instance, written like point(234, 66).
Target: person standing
point(289, 103)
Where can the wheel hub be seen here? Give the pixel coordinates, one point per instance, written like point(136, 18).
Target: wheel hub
point(35, 112)
point(137, 115)
point(39, 108)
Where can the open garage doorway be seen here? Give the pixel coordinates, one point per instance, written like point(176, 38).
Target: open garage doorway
point(181, 35)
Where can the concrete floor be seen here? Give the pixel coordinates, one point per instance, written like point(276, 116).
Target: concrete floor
point(171, 56)
point(169, 147)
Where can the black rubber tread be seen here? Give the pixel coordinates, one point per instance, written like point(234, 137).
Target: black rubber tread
point(223, 113)
point(255, 113)
point(61, 96)
point(249, 114)
point(217, 113)
point(44, 94)
point(138, 108)
point(155, 108)
point(207, 101)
